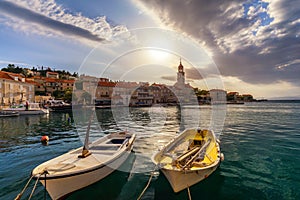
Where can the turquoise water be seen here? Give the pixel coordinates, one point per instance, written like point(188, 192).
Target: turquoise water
point(260, 142)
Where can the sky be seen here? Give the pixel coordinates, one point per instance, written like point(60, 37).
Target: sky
point(251, 46)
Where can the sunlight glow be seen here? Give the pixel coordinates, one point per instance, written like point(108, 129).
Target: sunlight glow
point(157, 55)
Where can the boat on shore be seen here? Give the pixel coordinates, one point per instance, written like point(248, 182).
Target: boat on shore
point(8, 113)
point(84, 166)
point(191, 157)
point(28, 109)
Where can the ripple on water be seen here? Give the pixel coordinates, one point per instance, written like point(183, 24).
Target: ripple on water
point(260, 144)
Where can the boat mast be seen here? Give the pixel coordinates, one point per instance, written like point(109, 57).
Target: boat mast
point(85, 150)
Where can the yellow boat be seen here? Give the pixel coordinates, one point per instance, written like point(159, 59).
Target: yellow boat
point(191, 157)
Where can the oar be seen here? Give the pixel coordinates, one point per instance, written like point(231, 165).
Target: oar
point(203, 148)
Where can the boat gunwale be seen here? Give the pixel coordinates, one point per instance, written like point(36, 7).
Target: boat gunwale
point(189, 170)
point(127, 147)
point(186, 170)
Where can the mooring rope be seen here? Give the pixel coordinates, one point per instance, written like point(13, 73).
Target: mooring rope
point(189, 193)
point(21, 193)
point(34, 186)
point(149, 181)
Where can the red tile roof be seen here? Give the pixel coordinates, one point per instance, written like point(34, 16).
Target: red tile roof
point(10, 76)
point(4, 75)
point(232, 93)
point(66, 81)
point(127, 84)
point(106, 84)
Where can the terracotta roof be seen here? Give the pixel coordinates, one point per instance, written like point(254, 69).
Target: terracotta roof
point(247, 95)
point(39, 77)
point(4, 75)
point(32, 82)
point(106, 84)
point(51, 80)
point(65, 81)
point(232, 93)
point(10, 76)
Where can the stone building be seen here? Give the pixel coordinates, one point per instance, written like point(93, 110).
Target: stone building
point(15, 89)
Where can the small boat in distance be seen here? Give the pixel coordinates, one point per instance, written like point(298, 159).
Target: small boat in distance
point(84, 166)
point(191, 157)
point(59, 105)
point(27, 109)
point(8, 113)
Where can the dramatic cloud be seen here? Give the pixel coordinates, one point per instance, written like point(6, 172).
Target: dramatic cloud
point(257, 41)
point(48, 18)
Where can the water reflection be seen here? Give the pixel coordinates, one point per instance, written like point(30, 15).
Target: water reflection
point(24, 130)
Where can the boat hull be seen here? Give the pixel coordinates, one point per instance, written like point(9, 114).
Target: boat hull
point(32, 109)
point(75, 170)
point(180, 180)
point(33, 112)
point(8, 114)
point(61, 187)
point(60, 108)
point(189, 158)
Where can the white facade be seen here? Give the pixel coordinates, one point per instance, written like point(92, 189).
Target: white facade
point(218, 96)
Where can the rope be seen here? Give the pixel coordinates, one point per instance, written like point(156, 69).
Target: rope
point(45, 186)
point(34, 186)
point(189, 193)
point(146, 187)
point(21, 193)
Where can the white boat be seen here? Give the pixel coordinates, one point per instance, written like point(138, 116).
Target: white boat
point(8, 113)
point(191, 157)
point(84, 166)
point(58, 105)
point(31, 109)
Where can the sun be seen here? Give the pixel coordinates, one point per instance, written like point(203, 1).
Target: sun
point(158, 54)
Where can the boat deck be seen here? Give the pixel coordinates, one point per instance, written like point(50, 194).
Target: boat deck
point(192, 153)
point(101, 153)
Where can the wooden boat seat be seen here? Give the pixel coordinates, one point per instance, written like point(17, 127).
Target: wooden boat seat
point(187, 154)
point(199, 154)
point(105, 147)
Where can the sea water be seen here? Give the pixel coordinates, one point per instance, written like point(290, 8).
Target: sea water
point(260, 141)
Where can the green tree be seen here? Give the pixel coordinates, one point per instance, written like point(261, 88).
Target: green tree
point(57, 94)
point(68, 95)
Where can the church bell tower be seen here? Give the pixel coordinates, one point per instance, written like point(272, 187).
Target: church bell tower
point(180, 76)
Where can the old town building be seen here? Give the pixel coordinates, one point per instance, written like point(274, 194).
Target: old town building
point(15, 89)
